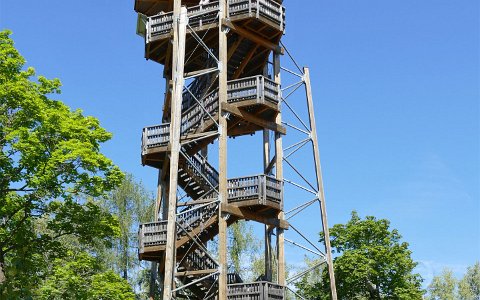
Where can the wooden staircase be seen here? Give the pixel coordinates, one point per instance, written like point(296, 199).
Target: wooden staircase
point(255, 28)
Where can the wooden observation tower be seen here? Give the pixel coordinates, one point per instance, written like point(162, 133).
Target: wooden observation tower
point(216, 57)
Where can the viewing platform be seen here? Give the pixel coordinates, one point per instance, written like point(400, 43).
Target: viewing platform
point(253, 102)
point(260, 194)
point(203, 17)
point(256, 27)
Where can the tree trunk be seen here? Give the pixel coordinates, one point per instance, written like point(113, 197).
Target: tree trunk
point(125, 256)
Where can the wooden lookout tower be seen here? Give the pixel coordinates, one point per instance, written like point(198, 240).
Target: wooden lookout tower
point(217, 85)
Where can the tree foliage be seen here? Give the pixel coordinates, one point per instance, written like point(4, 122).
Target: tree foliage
point(443, 286)
point(132, 205)
point(469, 286)
point(446, 287)
point(371, 263)
point(243, 248)
point(50, 161)
point(82, 276)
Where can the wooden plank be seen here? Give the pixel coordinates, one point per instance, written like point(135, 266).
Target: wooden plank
point(265, 105)
point(275, 126)
point(249, 215)
point(176, 112)
point(321, 192)
point(254, 37)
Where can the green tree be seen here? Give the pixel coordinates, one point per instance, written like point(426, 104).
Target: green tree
point(132, 205)
point(82, 276)
point(371, 263)
point(243, 248)
point(443, 286)
point(50, 159)
point(469, 285)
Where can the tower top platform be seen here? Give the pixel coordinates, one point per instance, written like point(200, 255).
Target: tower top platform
point(153, 7)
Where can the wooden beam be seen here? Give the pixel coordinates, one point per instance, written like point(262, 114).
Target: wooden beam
point(196, 202)
point(270, 165)
point(262, 52)
point(195, 272)
point(200, 49)
point(168, 58)
point(158, 206)
point(254, 37)
point(253, 119)
point(168, 98)
point(176, 113)
point(267, 233)
point(321, 192)
point(245, 62)
point(234, 47)
point(222, 151)
point(279, 176)
point(197, 72)
point(185, 239)
point(249, 215)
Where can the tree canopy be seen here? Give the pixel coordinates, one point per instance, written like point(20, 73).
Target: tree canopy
point(443, 286)
point(446, 287)
point(50, 167)
point(469, 285)
point(82, 276)
point(371, 263)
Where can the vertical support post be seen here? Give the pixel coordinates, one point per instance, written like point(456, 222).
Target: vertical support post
point(266, 162)
point(268, 244)
point(318, 171)
point(279, 176)
point(222, 151)
point(158, 206)
point(180, 25)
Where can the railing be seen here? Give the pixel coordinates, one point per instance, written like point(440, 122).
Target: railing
point(260, 290)
point(258, 187)
point(201, 15)
point(255, 87)
point(261, 187)
point(159, 135)
point(200, 168)
point(155, 233)
point(244, 89)
point(198, 260)
point(152, 234)
point(269, 9)
point(197, 16)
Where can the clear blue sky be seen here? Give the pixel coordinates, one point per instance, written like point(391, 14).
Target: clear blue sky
point(396, 85)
